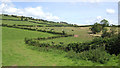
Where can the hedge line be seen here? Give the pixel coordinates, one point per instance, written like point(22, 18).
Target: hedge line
point(76, 47)
point(47, 25)
point(111, 45)
point(53, 37)
point(52, 32)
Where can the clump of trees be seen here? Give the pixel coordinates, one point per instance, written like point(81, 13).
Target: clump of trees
point(98, 27)
point(112, 32)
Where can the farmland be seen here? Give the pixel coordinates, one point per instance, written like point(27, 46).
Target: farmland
point(18, 51)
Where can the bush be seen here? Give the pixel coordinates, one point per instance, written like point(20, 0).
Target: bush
point(96, 28)
point(105, 33)
point(113, 45)
point(94, 55)
point(77, 47)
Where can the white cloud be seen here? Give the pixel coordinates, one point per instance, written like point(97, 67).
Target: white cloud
point(110, 11)
point(99, 18)
point(36, 12)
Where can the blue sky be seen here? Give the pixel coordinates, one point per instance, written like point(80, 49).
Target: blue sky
point(81, 13)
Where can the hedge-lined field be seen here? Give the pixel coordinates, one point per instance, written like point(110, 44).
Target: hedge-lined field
point(16, 53)
point(81, 34)
point(100, 50)
point(13, 19)
point(40, 42)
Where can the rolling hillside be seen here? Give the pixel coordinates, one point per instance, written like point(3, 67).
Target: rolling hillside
point(16, 52)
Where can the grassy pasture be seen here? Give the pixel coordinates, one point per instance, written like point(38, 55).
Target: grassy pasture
point(9, 17)
point(16, 53)
point(17, 20)
point(81, 32)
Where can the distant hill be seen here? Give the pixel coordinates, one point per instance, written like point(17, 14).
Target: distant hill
point(22, 20)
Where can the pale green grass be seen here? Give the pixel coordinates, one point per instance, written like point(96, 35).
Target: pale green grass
point(10, 22)
point(82, 32)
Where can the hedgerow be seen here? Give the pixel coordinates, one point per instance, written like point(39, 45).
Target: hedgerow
point(96, 55)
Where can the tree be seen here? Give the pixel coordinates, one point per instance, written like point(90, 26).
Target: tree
point(63, 32)
point(105, 33)
point(113, 30)
point(21, 18)
point(111, 33)
point(104, 23)
point(96, 28)
point(26, 19)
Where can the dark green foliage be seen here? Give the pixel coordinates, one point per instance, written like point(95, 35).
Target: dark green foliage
point(96, 28)
point(95, 55)
point(113, 30)
point(53, 43)
point(77, 47)
point(113, 45)
point(63, 32)
point(61, 43)
point(109, 34)
point(21, 18)
point(104, 23)
point(13, 15)
point(5, 14)
point(105, 33)
point(26, 19)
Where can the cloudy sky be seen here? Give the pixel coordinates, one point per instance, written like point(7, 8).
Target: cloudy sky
point(81, 13)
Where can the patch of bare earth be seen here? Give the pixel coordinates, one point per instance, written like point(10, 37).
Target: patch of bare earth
point(76, 35)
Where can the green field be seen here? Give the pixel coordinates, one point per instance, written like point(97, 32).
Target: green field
point(16, 53)
point(82, 32)
point(17, 20)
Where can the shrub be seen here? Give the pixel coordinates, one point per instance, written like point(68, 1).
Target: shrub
point(77, 47)
point(105, 33)
point(96, 28)
point(94, 55)
point(113, 45)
